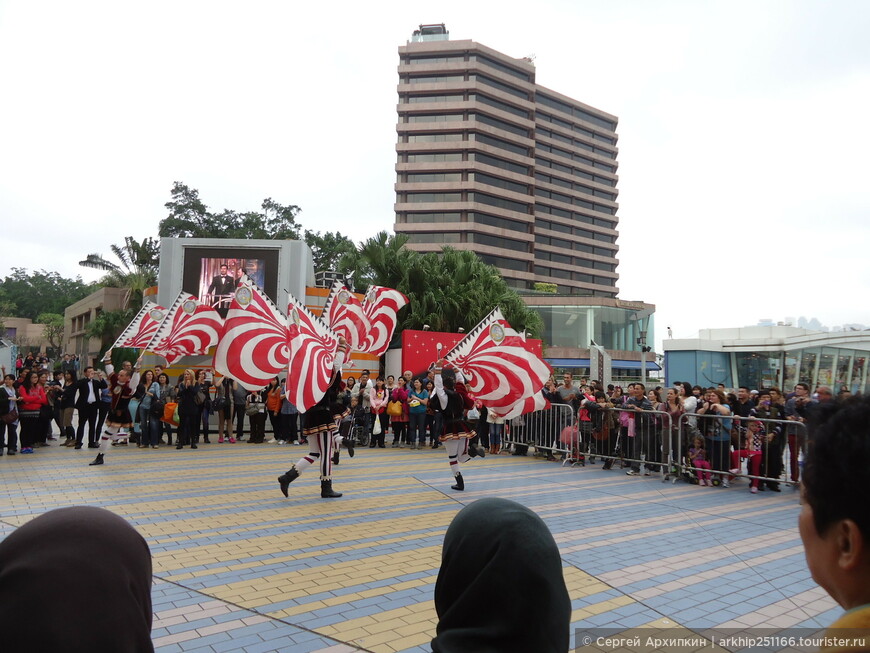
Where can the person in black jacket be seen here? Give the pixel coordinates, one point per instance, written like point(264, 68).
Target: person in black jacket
point(87, 404)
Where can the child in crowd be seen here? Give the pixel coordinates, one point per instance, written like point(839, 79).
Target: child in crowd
point(698, 459)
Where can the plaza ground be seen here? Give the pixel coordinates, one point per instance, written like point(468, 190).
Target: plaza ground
point(237, 567)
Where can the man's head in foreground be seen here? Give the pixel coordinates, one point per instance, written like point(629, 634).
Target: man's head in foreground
point(835, 520)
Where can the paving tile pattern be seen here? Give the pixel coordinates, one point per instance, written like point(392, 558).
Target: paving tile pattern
point(237, 567)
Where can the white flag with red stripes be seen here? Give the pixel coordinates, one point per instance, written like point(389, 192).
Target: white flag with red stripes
point(313, 346)
point(381, 306)
point(190, 328)
point(497, 367)
point(344, 314)
point(254, 346)
point(528, 405)
point(141, 330)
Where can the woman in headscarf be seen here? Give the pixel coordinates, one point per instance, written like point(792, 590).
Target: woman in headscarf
point(101, 567)
point(484, 609)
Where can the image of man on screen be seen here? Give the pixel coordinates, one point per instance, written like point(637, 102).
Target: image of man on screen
point(221, 290)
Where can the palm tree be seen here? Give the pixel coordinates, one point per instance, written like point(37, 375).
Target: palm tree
point(136, 270)
point(447, 290)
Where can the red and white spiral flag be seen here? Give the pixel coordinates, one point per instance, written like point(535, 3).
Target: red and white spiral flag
point(343, 313)
point(141, 330)
point(312, 353)
point(190, 328)
point(254, 346)
point(381, 306)
point(528, 405)
point(498, 369)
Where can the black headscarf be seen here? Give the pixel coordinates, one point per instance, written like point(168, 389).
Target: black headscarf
point(94, 565)
point(500, 588)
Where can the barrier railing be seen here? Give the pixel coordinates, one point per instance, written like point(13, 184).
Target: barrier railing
point(639, 439)
point(746, 447)
point(552, 430)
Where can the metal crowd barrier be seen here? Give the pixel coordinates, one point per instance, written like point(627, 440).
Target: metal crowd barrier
point(754, 448)
point(639, 439)
point(766, 452)
point(552, 431)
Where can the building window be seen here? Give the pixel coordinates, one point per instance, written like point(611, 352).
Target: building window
point(501, 86)
point(484, 178)
point(498, 104)
point(422, 218)
point(500, 124)
point(446, 238)
point(497, 241)
point(434, 138)
point(489, 200)
point(414, 177)
point(436, 157)
point(420, 99)
point(486, 159)
point(497, 142)
point(419, 198)
point(500, 66)
point(429, 117)
point(503, 262)
point(417, 79)
point(501, 223)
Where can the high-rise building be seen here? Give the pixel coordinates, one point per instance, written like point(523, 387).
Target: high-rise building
point(488, 160)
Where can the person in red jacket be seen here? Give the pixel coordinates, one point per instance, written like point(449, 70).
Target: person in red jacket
point(33, 398)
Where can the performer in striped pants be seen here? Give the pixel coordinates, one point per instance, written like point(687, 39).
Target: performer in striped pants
point(319, 426)
point(457, 433)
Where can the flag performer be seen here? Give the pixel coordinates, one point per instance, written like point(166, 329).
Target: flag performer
point(122, 386)
point(320, 425)
point(456, 432)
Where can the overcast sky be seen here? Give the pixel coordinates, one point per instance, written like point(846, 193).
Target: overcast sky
point(743, 130)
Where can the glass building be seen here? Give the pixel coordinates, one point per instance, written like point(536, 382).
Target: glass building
point(759, 357)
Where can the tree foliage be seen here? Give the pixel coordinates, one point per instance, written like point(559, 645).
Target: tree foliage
point(29, 294)
point(333, 251)
point(189, 217)
point(448, 290)
point(52, 328)
point(108, 325)
point(136, 269)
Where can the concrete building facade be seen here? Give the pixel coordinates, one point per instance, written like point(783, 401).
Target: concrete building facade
point(489, 160)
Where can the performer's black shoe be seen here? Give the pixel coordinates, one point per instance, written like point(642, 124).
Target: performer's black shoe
point(93, 445)
point(193, 446)
point(349, 444)
point(326, 491)
point(285, 480)
point(96, 461)
point(179, 446)
point(78, 445)
point(460, 484)
point(476, 450)
point(335, 457)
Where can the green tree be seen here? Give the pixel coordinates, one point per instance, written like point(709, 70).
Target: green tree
point(52, 328)
point(108, 325)
point(448, 290)
point(29, 294)
point(136, 270)
point(333, 251)
point(189, 217)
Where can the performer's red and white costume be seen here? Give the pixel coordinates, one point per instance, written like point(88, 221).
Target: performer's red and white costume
point(118, 418)
point(456, 431)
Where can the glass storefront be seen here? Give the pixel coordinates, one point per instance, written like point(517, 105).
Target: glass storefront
point(576, 326)
point(831, 366)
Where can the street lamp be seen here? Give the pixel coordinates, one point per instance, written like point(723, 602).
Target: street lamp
point(641, 341)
